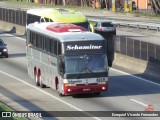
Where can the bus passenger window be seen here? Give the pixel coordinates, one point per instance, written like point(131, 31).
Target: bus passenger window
point(59, 48)
point(42, 20)
point(46, 19)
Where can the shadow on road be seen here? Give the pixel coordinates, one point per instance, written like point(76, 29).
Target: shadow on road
point(13, 31)
point(16, 55)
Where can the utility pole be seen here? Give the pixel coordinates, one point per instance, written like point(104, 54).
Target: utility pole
point(130, 6)
point(64, 2)
point(125, 5)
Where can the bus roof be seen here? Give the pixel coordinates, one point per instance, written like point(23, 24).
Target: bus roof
point(63, 27)
point(63, 36)
point(59, 15)
point(39, 11)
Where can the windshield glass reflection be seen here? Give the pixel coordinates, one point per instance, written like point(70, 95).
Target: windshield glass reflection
point(86, 64)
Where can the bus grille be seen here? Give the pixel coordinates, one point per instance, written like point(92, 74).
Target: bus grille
point(86, 84)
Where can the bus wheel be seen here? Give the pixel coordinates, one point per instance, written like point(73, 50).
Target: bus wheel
point(58, 88)
point(36, 80)
point(60, 94)
point(40, 81)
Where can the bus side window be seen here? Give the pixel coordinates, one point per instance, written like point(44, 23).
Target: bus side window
point(46, 19)
point(55, 47)
point(29, 40)
point(51, 20)
point(40, 41)
point(42, 20)
point(34, 39)
point(43, 43)
point(59, 48)
point(52, 46)
point(47, 44)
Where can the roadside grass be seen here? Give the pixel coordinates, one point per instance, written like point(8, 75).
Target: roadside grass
point(4, 108)
point(78, 8)
point(31, 4)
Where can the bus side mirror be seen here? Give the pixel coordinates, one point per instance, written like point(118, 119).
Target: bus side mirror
point(61, 65)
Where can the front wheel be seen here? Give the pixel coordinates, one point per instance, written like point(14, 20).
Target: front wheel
point(6, 56)
point(41, 84)
point(60, 94)
point(58, 89)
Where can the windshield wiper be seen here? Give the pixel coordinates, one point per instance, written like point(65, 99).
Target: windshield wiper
point(89, 69)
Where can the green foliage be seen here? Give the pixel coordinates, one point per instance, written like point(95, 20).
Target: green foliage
point(5, 108)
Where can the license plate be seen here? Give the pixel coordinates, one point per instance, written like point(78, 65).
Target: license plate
point(86, 89)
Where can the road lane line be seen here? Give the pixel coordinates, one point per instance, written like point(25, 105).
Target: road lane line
point(136, 77)
point(136, 101)
point(72, 106)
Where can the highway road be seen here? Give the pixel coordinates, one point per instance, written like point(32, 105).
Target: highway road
point(17, 89)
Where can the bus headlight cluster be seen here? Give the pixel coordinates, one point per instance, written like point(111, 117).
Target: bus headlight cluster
point(101, 81)
point(67, 84)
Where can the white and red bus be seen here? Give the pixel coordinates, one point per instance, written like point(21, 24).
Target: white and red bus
point(67, 58)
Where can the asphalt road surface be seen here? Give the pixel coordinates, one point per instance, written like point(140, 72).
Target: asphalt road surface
point(18, 90)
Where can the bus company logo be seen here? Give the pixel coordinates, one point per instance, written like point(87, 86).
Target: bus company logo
point(86, 47)
point(150, 107)
point(6, 114)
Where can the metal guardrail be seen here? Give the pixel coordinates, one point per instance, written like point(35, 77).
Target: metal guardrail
point(138, 25)
point(137, 49)
point(13, 16)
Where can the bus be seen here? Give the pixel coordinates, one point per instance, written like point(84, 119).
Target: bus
point(67, 58)
point(57, 15)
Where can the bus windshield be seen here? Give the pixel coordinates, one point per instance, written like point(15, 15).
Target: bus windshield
point(85, 64)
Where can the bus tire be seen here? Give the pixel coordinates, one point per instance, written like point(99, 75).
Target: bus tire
point(40, 81)
point(60, 94)
point(6, 56)
point(110, 63)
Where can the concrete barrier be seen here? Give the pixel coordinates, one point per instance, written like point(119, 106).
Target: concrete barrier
point(12, 28)
point(137, 66)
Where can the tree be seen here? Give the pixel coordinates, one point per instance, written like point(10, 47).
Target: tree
point(107, 4)
point(84, 3)
point(120, 5)
point(155, 4)
point(64, 2)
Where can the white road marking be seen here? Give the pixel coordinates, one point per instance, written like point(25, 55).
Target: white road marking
point(136, 101)
point(74, 107)
point(125, 73)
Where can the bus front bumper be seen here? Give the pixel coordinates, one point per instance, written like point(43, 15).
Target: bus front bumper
point(70, 90)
